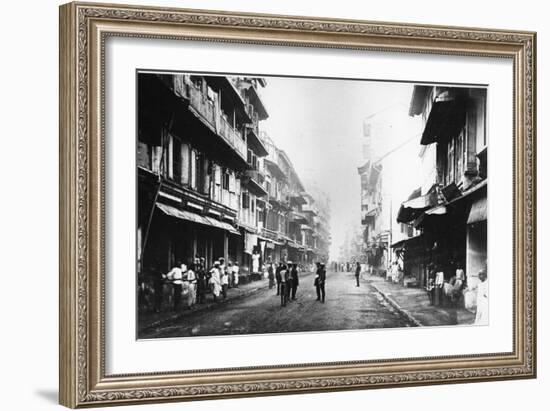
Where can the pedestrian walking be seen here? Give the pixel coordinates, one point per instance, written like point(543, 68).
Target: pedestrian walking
point(215, 280)
point(357, 273)
point(283, 284)
point(482, 310)
point(295, 280)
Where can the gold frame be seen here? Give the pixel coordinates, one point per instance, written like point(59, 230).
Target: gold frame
point(83, 30)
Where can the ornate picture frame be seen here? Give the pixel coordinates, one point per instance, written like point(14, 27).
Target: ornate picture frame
point(84, 29)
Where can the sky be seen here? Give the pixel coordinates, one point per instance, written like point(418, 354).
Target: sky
point(319, 124)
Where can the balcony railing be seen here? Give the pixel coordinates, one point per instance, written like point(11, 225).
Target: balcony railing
point(257, 176)
point(211, 114)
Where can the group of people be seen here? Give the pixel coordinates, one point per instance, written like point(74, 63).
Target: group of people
point(455, 290)
point(195, 280)
point(286, 277)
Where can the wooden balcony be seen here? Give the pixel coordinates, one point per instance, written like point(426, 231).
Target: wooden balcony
point(256, 182)
point(210, 114)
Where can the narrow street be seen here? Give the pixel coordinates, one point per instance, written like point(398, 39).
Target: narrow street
point(346, 307)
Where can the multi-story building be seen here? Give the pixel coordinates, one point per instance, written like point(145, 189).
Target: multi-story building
point(388, 150)
point(450, 205)
point(199, 176)
point(210, 183)
point(290, 229)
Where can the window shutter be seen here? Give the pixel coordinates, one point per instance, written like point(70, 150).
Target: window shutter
point(185, 163)
point(193, 169)
point(217, 175)
point(231, 182)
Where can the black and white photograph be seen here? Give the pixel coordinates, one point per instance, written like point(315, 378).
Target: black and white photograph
point(270, 204)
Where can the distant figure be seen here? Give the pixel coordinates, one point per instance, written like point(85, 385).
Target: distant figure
point(357, 273)
point(482, 311)
point(283, 284)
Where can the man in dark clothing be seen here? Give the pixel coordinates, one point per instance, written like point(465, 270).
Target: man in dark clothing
point(278, 277)
point(288, 279)
point(201, 281)
point(270, 275)
point(295, 282)
point(317, 280)
point(284, 275)
point(357, 273)
point(322, 279)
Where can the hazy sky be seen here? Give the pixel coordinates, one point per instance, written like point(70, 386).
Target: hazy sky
point(319, 124)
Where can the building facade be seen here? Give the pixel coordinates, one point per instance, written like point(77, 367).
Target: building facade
point(449, 207)
point(388, 150)
point(209, 183)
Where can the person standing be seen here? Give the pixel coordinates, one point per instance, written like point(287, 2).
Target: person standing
point(283, 284)
point(322, 280)
point(224, 281)
point(236, 275)
point(288, 280)
point(316, 282)
point(357, 273)
point(215, 280)
point(295, 280)
point(229, 270)
point(270, 275)
point(482, 310)
point(201, 281)
point(175, 277)
point(192, 279)
point(278, 277)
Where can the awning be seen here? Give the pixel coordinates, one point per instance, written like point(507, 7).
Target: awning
point(413, 208)
point(223, 225)
point(195, 218)
point(299, 218)
point(407, 242)
point(478, 211)
point(445, 119)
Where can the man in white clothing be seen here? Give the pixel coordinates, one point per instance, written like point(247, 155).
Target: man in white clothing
point(482, 310)
point(175, 276)
point(215, 280)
